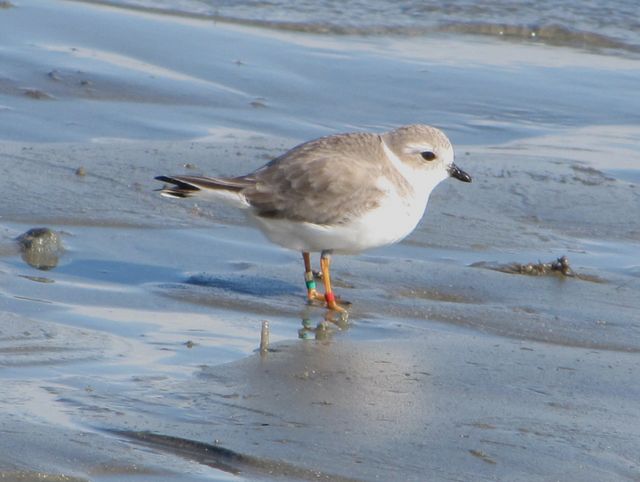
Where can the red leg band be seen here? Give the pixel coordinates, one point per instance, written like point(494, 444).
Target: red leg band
point(330, 297)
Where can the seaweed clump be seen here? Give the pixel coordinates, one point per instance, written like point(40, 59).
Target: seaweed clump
point(559, 266)
point(41, 248)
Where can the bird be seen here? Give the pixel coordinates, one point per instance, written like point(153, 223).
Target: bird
point(338, 194)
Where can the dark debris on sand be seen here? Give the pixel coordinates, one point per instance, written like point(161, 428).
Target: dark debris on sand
point(41, 248)
point(560, 267)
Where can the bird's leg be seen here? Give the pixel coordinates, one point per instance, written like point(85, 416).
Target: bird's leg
point(325, 263)
point(312, 293)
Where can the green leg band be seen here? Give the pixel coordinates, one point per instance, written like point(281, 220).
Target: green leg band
point(308, 279)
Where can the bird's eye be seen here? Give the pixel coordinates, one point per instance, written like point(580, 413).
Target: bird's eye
point(428, 155)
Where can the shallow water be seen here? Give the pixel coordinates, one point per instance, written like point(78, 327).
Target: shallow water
point(277, 83)
point(577, 24)
point(136, 355)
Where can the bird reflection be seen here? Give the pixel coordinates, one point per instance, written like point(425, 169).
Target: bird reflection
point(324, 329)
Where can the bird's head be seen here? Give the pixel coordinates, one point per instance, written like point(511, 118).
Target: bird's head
point(422, 148)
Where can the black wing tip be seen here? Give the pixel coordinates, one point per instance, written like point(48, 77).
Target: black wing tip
point(164, 179)
point(180, 189)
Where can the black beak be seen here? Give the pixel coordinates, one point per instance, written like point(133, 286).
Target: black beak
point(455, 171)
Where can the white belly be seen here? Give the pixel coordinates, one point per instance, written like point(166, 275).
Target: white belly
point(391, 222)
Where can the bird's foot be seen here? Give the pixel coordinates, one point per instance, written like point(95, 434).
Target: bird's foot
point(314, 295)
point(332, 302)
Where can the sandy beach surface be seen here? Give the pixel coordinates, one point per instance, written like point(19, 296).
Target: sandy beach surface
point(129, 340)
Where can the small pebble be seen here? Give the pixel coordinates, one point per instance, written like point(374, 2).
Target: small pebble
point(258, 104)
point(54, 75)
point(37, 94)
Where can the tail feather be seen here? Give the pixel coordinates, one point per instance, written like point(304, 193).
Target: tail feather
point(186, 186)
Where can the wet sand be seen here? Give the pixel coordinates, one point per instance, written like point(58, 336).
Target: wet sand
point(136, 355)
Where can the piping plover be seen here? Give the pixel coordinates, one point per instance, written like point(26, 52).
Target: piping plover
point(342, 193)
